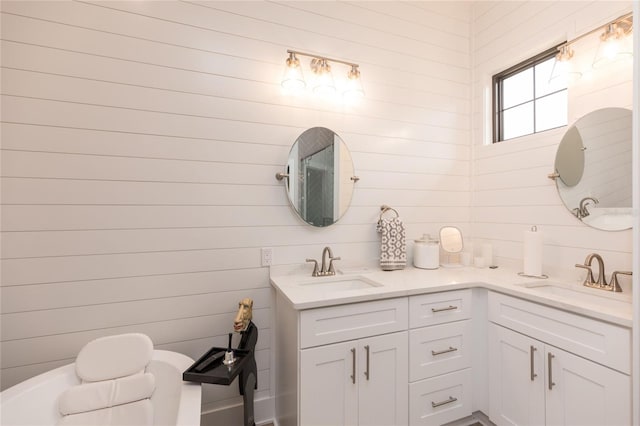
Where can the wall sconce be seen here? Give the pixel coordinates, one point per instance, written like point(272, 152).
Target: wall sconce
point(615, 44)
point(323, 82)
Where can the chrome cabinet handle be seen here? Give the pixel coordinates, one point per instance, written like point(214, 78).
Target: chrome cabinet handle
point(353, 368)
point(451, 349)
point(448, 401)
point(532, 349)
point(366, 372)
point(448, 308)
point(550, 356)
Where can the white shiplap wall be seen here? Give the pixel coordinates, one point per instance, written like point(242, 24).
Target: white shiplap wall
point(139, 146)
point(511, 191)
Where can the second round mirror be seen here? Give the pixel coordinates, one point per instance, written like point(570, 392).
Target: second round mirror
point(593, 169)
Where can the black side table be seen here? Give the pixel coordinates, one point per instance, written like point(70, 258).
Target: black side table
point(209, 368)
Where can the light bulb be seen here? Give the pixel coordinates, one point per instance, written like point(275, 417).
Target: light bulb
point(354, 83)
point(562, 67)
point(293, 78)
point(613, 46)
point(324, 78)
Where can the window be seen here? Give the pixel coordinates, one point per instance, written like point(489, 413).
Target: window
point(527, 100)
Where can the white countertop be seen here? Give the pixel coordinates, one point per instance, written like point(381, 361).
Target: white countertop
point(604, 305)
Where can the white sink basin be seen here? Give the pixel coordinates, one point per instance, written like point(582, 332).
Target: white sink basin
point(611, 219)
point(339, 283)
point(581, 295)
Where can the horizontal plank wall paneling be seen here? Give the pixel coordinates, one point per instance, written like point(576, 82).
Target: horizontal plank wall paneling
point(139, 146)
point(511, 191)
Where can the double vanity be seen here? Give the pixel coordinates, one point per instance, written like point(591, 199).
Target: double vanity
point(428, 347)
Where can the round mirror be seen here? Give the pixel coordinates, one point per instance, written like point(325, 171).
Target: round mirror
point(593, 169)
point(320, 178)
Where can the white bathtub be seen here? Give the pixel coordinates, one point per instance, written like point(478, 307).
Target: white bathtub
point(35, 401)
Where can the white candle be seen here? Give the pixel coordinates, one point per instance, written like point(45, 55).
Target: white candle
point(487, 253)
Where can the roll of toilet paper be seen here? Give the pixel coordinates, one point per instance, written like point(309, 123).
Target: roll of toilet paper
point(532, 255)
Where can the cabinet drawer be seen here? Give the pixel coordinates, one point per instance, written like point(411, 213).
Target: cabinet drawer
point(438, 308)
point(604, 343)
point(440, 399)
point(346, 322)
point(439, 349)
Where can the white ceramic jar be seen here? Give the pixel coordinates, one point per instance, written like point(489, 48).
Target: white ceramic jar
point(426, 253)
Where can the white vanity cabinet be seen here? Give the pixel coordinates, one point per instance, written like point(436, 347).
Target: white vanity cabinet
point(342, 365)
point(361, 382)
point(440, 351)
point(547, 366)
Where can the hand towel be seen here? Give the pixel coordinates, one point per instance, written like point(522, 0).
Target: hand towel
point(393, 247)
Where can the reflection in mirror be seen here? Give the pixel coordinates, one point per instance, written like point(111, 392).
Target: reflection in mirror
point(570, 158)
point(600, 196)
point(321, 181)
point(451, 244)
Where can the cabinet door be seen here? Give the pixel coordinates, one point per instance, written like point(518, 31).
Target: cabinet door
point(516, 378)
point(581, 392)
point(328, 385)
point(383, 380)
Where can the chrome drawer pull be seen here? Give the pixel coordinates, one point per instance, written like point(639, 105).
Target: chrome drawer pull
point(550, 357)
point(366, 372)
point(451, 349)
point(353, 370)
point(449, 308)
point(532, 349)
point(448, 401)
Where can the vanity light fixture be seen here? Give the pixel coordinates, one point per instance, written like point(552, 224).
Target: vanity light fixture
point(323, 82)
point(615, 44)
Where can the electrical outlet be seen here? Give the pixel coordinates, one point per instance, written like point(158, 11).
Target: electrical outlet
point(266, 255)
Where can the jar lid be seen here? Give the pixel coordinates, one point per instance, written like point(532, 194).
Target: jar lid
point(426, 238)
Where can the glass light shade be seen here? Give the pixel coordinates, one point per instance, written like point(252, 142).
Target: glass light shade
point(324, 79)
point(293, 78)
point(354, 84)
point(563, 69)
point(614, 46)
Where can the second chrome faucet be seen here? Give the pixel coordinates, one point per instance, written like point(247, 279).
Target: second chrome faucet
point(325, 269)
point(601, 282)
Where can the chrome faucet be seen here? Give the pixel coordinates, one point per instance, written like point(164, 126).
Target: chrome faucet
point(325, 269)
point(601, 283)
point(582, 211)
